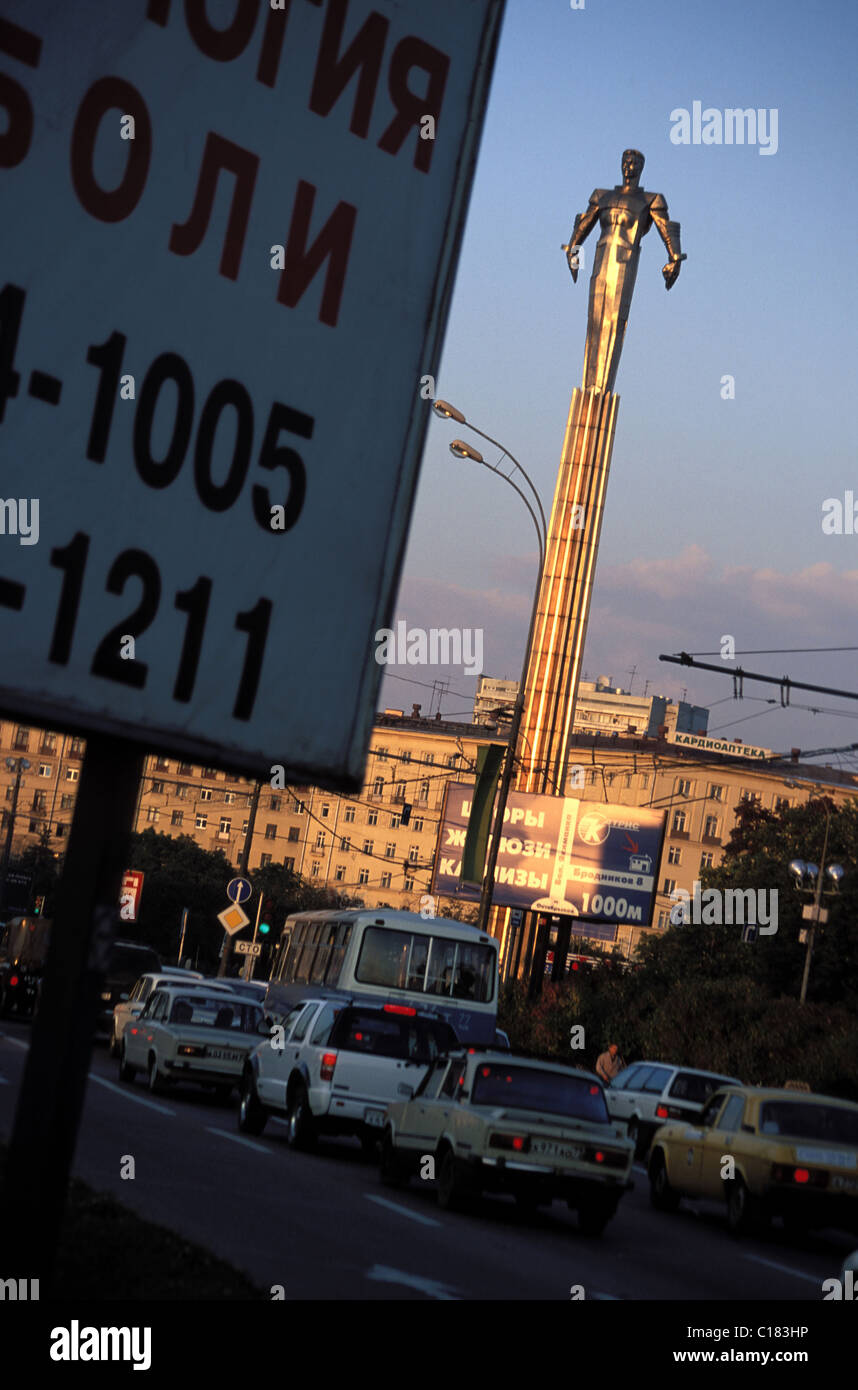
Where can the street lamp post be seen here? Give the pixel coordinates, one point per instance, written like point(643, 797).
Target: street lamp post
point(462, 450)
point(814, 912)
point(19, 767)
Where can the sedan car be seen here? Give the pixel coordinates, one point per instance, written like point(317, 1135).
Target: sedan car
point(647, 1094)
point(794, 1155)
point(191, 1034)
point(500, 1122)
point(132, 1007)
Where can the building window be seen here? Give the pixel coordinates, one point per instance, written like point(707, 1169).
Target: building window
point(674, 855)
point(326, 808)
point(224, 827)
point(271, 831)
point(716, 791)
point(157, 788)
point(177, 817)
point(644, 781)
point(424, 791)
point(153, 815)
point(430, 758)
point(320, 839)
point(367, 846)
point(400, 791)
point(66, 801)
point(161, 765)
point(378, 787)
point(712, 827)
point(244, 826)
point(22, 738)
point(340, 873)
point(72, 774)
point(390, 850)
point(452, 759)
point(782, 803)
point(40, 801)
point(417, 824)
point(229, 798)
point(76, 749)
point(48, 743)
point(206, 794)
point(294, 832)
point(185, 769)
point(211, 773)
point(274, 803)
point(363, 876)
point(409, 885)
point(413, 854)
point(663, 919)
point(405, 755)
point(61, 830)
point(669, 885)
point(680, 822)
point(627, 780)
point(181, 792)
point(706, 859)
point(381, 753)
point(35, 827)
point(372, 818)
point(315, 866)
point(386, 880)
point(45, 770)
point(346, 842)
point(683, 787)
point(289, 864)
point(265, 860)
point(201, 821)
point(751, 796)
point(349, 813)
point(395, 821)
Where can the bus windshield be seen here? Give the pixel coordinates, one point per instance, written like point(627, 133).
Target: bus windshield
point(424, 964)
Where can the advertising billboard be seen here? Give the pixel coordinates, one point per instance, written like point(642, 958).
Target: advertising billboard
point(559, 855)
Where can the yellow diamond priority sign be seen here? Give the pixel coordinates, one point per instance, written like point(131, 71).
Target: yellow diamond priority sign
point(233, 918)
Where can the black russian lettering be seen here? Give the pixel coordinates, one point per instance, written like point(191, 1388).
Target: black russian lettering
point(333, 74)
point(272, 43)
point(16, 138)
point(219, 153)
point(159, 12)
point(113, 204)
point(221, 44)
point(411, 53)
point(333, 244)
point(219, 497)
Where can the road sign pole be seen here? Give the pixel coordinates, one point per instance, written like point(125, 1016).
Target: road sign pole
point(54, 1082)
point(226, 953)
point(252, 962)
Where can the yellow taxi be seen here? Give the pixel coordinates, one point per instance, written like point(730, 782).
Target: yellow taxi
point(766, 1152)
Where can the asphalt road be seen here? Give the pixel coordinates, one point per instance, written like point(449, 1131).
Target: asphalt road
point(323, 1227)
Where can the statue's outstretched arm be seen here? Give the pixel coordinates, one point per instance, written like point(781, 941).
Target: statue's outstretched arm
point(584, 224)
point(669, 233)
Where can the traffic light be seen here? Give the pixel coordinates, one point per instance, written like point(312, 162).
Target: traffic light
point(40, 906)
point(264, 928)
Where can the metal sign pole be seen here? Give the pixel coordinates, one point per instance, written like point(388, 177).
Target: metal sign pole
point(52, 1091)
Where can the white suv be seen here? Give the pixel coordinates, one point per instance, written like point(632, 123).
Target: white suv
point(649, 1094)
point(336, 1067)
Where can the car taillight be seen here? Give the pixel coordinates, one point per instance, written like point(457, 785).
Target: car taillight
point(400, 1009)
point(801, 1175)
point(329, 1061)
point(520, 1143)
point(14, 980)
point(599, 1156)
point(661, 1112)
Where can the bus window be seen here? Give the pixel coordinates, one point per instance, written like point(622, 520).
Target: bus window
point(305, 964)
point(472, 978)
point(323, 955)
point(417, 962)
point(292, 952)
point(383, 958)
point(338, 951)
point(442, 961)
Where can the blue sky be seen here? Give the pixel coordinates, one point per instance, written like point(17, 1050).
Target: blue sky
point(714, 508)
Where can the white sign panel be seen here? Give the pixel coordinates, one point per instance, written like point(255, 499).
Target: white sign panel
point(230, 231)
point(720, 745)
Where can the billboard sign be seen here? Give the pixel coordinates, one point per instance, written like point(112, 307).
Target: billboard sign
point(720, 745)
point(230, 233)
point(132, 890)
point(559, 855)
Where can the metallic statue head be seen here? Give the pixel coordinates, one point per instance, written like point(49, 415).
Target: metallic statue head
point(633, 163)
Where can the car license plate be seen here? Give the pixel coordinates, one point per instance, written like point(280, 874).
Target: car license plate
point(223, 1054)
point(835, 1158)
point(839, 1184)
point(546, 1148)
point(374, 1118)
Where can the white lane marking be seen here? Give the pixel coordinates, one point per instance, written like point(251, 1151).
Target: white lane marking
point(432, 1287)
point(606, 1297)
point(238, 1139)
point(15, 1042)
point(403, 1211)
point(785, 1269)
point(639, 1168)
point(129, 1095)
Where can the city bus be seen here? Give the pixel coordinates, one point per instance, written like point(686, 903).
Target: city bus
point(375, 954)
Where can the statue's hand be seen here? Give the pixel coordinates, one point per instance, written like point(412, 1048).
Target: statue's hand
point(670, 273)
point(572, 260)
